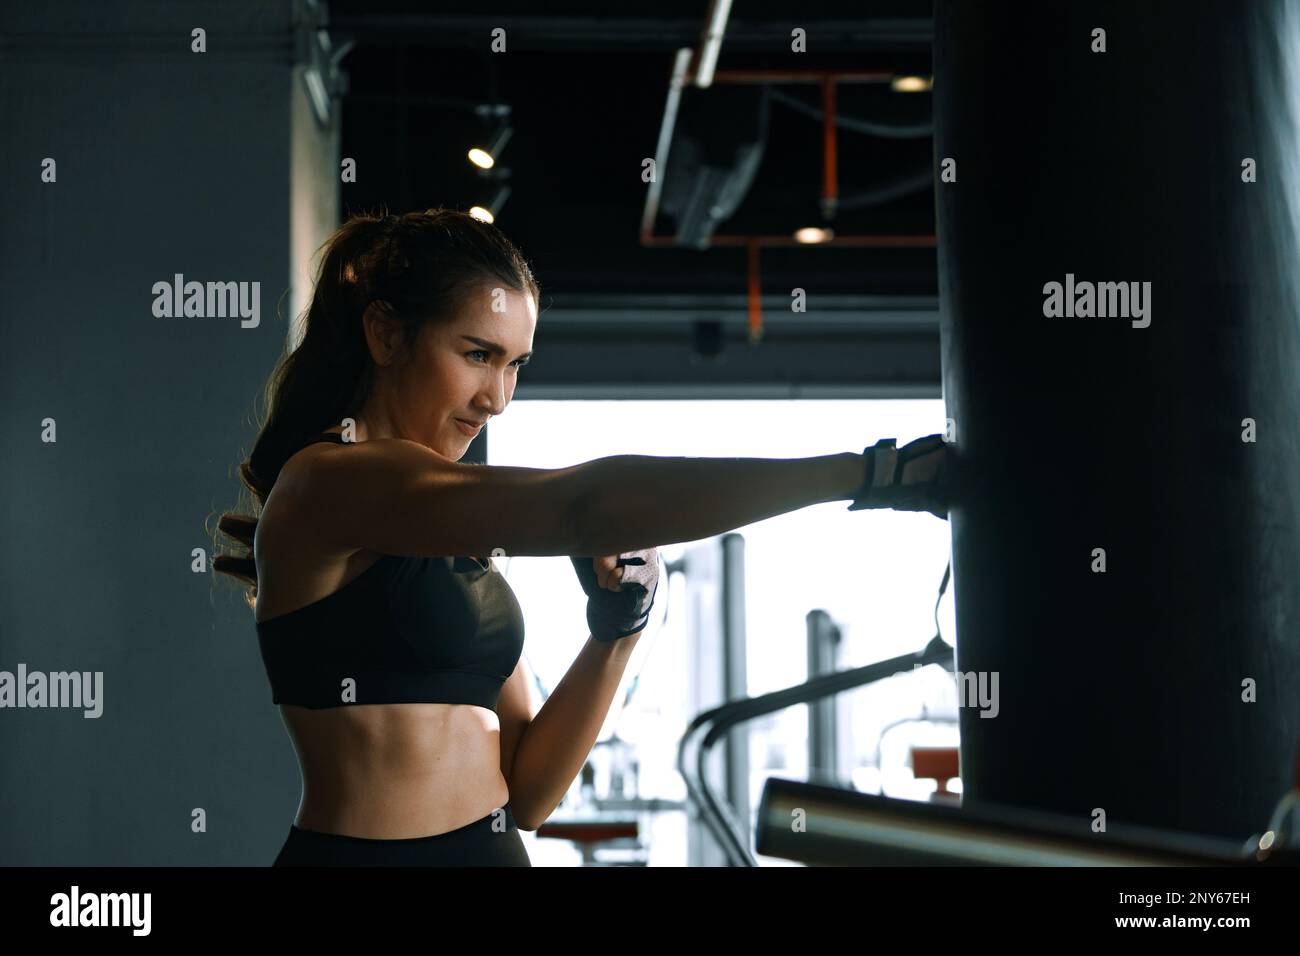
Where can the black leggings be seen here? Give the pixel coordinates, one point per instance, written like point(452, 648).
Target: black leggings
point(476, 844)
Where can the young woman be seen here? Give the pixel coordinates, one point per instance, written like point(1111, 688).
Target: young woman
point(393, 652)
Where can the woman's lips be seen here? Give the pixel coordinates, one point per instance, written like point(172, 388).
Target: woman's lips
point(468, 428)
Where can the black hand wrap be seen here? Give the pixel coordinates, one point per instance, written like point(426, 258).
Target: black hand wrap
point(882, 485)
point(615, 614)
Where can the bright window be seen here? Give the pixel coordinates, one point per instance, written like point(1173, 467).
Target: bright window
point(875, 572)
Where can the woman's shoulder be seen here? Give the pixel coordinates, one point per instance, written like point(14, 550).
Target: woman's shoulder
point(285, 511)
point(311, 451)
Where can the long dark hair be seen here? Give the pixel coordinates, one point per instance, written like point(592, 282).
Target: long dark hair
point(417, 268)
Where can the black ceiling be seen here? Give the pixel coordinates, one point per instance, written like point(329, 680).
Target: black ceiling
point(587, 90)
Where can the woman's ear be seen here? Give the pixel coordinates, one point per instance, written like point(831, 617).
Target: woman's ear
point(383, 333)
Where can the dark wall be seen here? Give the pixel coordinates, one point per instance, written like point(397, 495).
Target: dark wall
point(168, 162)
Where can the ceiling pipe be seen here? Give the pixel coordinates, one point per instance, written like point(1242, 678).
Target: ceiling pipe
point(715, 27)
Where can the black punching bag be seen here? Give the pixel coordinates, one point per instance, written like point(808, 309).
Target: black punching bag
point(1125, 537)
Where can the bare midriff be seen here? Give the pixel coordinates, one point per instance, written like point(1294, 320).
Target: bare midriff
point(396, 771)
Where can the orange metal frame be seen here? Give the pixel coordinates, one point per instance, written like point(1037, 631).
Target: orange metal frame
point(827, 79)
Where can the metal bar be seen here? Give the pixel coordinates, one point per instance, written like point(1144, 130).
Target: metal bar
point(844, 827)
point(680, 64)
point(804, 76)
point(710, 43)
point(873, 242)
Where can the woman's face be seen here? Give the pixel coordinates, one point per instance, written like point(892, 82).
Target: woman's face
point(463, 372)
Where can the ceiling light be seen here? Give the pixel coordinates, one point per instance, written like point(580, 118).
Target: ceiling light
point(489, 211)
point(911, 84)
point(485, 157)
point(813, 234)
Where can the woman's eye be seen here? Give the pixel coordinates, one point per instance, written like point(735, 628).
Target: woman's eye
point(517, 362)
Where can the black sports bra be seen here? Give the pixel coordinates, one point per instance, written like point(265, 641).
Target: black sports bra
point(405, 630)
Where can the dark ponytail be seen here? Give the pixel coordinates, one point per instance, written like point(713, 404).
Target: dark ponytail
point(417, 268)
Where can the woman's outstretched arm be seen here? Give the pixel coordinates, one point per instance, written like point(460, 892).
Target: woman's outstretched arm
point(398, 497)
point(629, 502)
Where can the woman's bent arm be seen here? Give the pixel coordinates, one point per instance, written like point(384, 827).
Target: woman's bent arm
point(558, 741)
